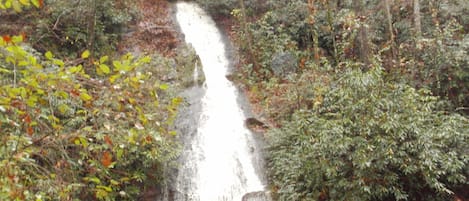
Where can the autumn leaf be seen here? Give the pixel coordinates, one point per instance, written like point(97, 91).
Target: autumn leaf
point(27, 119)
point(38, 3)
point(75, 92)
point(7, 39)
point(85, 54)
point(108, 140)
point(106, 159)
point(30, 130)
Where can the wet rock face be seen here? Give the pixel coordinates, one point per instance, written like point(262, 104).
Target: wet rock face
point(257, 196)
point(284, 63)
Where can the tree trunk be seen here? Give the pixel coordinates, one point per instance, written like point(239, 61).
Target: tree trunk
point(417, 21)
point(330, 21)
point(387, 4)
point(91, 32)
point(311, 21)
point(362, 38)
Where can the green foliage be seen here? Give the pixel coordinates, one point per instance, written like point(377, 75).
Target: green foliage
point(68, 136)
point(269, 37)
point(224, 7)
point(368, 139)
point(67, 27)
point(441, 63)
point(19, 5)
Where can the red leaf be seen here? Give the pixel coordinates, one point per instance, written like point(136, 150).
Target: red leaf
point(75, 92)
point(27, 119)
point(41, 3)
point(108, 140)
point(106, 160)
point(30, 130)
point(7, 39)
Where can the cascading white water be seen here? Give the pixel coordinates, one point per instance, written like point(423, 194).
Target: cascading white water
point(219, 163)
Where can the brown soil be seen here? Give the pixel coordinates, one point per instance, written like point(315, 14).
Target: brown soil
point(154, 31)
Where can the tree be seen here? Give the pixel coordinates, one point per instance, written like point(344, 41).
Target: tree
point(417, 21)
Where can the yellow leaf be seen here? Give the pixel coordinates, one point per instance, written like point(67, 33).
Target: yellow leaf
point(36, 3)
point(85, 97)
point(49, 55)
point(25, 2)
point(113, 78)
point(17, 6)
point(8, 4)
point(63, 108)
point(103, 59)
point(104, 68)
point(59, 63)
point(85, 54)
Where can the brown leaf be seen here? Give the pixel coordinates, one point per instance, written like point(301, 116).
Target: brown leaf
point(106, 159)
point(108, 140)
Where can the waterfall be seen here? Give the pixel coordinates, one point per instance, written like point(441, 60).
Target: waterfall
point(218, 163)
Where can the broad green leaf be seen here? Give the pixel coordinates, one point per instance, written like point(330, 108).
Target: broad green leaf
point(93, 179)
point(108, 189)
point(103, 59)
point(18, 39)
point(114, 182)
point(23, 63)
point(63, 108)
point(75, 69)
point(8, 4)
point(25, 2)
point(104, 68)
point(85, 54)
point(58, 62)
point(36, 3)
point(117, 65)
point(164, 86)
point(85, 96)
point(145, 59)
point(17, 6)
point(113, 78)
point(4, 70)
point(49, 55)
point(32, 100)
point(62, 94)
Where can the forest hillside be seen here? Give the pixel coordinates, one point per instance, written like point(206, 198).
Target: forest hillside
point(356, 99)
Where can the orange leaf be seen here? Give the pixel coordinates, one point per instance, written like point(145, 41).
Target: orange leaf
point(75, 92)
point(41, 3)
point(27, 119)
point(148, 138)
point(30, 130)
point(108, 140)
point(106, 160)
point(7, 39)
point(23, 36)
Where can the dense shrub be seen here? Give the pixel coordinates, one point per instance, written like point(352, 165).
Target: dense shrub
point(67, 136)
point(367, 139)
point(67, 26)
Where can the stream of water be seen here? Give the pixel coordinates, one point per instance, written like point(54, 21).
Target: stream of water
point(219, 161)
